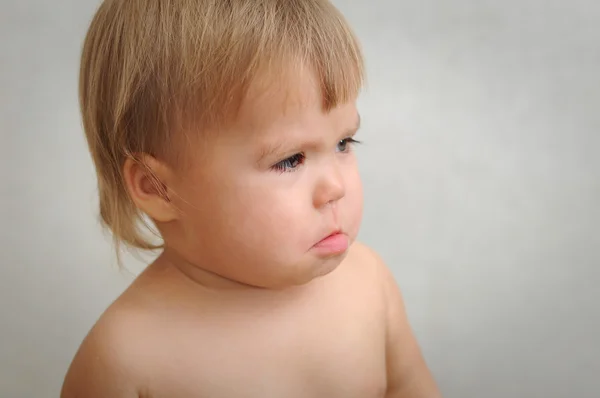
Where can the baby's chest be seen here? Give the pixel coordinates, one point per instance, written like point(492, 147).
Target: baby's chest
point(329, 355)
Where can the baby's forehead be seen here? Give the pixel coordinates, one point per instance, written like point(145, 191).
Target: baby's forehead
point(289, 103)
point(281, 106)
point(304, 123)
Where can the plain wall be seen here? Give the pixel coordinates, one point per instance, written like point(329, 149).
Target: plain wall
point(481, 126)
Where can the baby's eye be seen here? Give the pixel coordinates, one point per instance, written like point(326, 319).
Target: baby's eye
point(342, 146)
point(289, 164)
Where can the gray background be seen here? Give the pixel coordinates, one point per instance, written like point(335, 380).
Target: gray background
point(482, 185)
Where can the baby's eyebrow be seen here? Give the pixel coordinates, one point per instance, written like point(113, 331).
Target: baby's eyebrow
point(271, 148)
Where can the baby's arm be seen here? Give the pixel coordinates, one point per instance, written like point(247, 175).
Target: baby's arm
point(407, 372)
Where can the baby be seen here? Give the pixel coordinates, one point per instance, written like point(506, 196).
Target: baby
point(227, 127)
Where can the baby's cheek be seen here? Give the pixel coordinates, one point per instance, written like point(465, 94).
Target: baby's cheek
point(269, 219)
point(354, 209)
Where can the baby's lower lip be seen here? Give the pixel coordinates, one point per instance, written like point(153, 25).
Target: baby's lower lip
point(333, 244)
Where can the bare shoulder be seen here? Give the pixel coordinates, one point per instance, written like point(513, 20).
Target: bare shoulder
point(370, 262)
point(407, 372)
point(367, 269)
point(108, 362)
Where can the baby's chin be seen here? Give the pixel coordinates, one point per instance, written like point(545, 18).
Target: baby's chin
point(321, 266)
point(316, 269)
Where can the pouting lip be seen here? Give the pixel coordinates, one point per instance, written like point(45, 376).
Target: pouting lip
point(335, 232)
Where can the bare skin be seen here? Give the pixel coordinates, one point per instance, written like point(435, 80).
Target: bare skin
point(243, 302)
point(166, 336)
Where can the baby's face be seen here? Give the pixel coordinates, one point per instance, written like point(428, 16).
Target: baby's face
point(264, 193)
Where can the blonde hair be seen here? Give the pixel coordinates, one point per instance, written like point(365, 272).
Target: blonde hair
point(150, 69)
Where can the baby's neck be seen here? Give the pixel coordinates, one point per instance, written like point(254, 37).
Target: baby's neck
point(175, 266)
point(169, 262)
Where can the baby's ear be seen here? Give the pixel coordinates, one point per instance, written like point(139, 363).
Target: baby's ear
point(147, 181)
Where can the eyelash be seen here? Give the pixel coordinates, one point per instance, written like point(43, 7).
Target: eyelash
point(291, 164)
